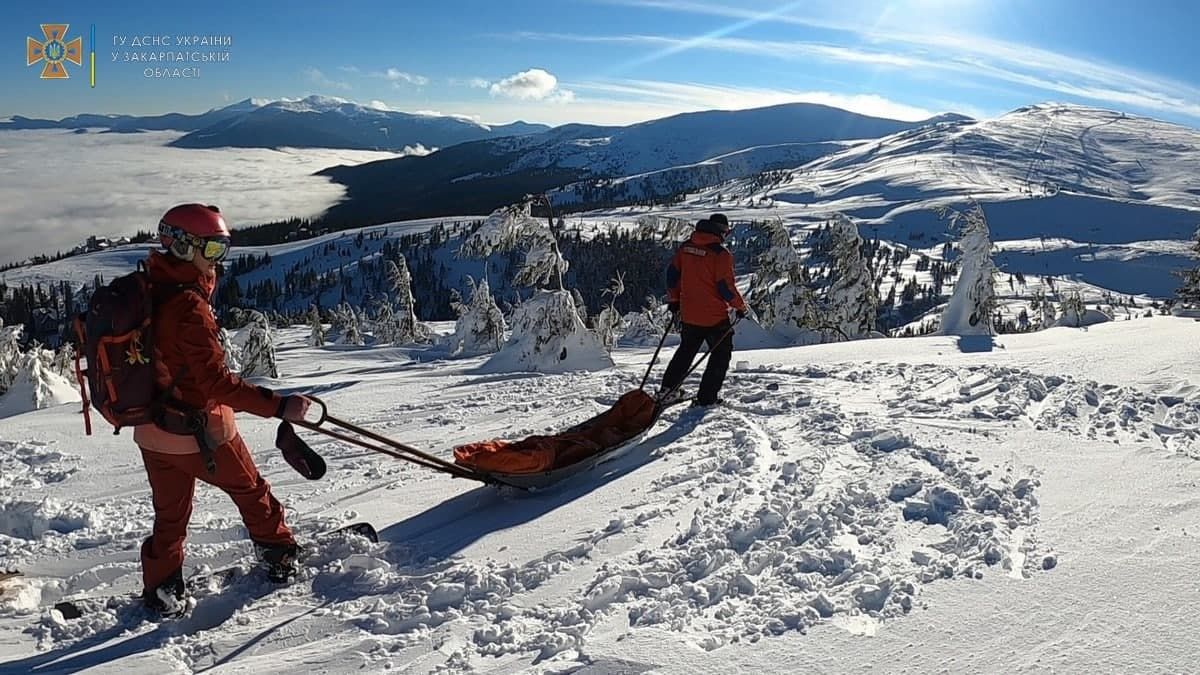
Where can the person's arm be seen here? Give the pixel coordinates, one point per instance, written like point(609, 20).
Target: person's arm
point(726, 286)
point(673, 278)
point(198, 342)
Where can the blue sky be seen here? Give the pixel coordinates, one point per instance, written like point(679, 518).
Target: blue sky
point(619, 61)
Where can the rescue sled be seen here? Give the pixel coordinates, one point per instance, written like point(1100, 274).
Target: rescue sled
point(538, 461)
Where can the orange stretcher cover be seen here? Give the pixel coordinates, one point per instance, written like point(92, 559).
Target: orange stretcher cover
point(632, 414)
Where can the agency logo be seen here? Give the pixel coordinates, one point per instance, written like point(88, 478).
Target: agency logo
point(54, 51)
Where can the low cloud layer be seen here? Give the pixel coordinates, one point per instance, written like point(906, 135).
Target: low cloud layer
point(57, 188)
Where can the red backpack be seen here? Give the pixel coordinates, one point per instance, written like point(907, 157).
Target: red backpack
point(116, 335)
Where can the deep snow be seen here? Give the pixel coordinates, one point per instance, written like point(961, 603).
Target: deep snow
point(964, 504)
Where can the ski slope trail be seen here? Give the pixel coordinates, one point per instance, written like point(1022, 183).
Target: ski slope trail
point(846, 500)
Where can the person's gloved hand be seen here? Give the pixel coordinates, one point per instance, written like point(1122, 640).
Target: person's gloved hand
point(741, 314)
point(295, 407)
point(673, 307)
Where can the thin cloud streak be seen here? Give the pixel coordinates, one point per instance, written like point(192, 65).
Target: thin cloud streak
point(987, 57)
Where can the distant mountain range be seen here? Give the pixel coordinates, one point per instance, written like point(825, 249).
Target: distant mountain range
point(312, 122)
point(478, 176)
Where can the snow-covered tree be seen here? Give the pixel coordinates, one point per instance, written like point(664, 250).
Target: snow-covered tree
point(608, 321)
point(851, 299)
point(480, 326)
point(10, 355)
point(780, 293)
point(351, 326)
point(64, 362)
point(642, 328)
point(668, 227)
point(258, 355)
point(316, 336)
point(1189, 292)
point(1045, 308)
point(407, 329)
point(972, 305)
point(1072, 310)
point(233, 357)
point(35, 385)
point(512, 227)
point(549, 337)
point(385, 324)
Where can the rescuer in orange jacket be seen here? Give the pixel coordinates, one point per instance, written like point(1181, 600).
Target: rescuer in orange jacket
point(702, 292)
point(191, 364)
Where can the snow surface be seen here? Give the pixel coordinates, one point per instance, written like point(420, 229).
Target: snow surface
point(1023, 502)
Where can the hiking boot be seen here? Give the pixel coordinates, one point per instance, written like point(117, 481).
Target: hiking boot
point(168, 599)
point(671, 398)
point(279, 560)
point(697, 403)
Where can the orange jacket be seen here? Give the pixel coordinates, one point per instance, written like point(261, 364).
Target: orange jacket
point(189, 354)
point(700, 279)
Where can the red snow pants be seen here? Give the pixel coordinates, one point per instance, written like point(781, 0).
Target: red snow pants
point(173, 483)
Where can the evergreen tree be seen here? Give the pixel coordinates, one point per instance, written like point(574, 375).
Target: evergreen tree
point(850, 301)
point(407, 329)
point(64, 363)
point(258, 356)
point(970, 309)
point(780, 294)
point(316, 337)
point(1072, 310)
point(1189, 292)
point(10, 355)
point(608, 321)
point(233, 359)
point(511, 227)
point(480, 326)
point(353, 333)
point(386, 325)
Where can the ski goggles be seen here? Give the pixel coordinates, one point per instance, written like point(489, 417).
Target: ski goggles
point(212, 248)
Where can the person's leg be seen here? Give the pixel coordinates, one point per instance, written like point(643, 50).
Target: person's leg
point(720, 344)
point(690, 339)
point(238, 476)
point(172, 487)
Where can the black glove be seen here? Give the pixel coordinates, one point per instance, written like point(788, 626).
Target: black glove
point(741, 314)
point(674, 307)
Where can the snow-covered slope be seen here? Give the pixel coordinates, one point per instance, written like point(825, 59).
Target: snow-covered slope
point(1091, 195)
point(929, 503)
point(484, 175)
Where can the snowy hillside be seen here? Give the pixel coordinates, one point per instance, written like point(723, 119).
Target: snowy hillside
point(331, 122)
point(930, 503)
point(484, 175)
point(1101, 200)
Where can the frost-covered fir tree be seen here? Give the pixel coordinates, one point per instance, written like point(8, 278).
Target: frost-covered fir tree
point(64, 363)
point(548, 334)
point(512, 227)
point(848, 308)
point(316, 335)
point(351, 326)
point(233, 359)
point(386, 327)
point(608, 321)
point(407, 329)
point(1045, 307)
point(10, 355)
point(1072, 310)
point(669, 228)
point(258, 354)
point(972, 305)
point(1189, 292)
point(647, 326)
point(780, 294)
point(36, 385)
point(480, 326)
point(548, 337)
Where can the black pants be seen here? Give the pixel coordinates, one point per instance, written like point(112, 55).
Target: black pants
point(721, 351)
